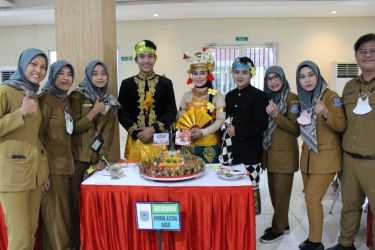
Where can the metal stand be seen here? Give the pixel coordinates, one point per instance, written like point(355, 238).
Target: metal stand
point(160, 240)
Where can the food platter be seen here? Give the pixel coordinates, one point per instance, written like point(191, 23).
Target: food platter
point(172, 178)
point(231, 175)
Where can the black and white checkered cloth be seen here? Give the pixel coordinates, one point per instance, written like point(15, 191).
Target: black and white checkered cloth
point(226, 145)
point(254, 173)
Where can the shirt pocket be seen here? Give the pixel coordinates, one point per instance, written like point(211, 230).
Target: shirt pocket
point(17, 160)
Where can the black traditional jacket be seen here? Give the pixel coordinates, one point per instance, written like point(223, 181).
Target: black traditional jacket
point(135, 114)
point(247, 107)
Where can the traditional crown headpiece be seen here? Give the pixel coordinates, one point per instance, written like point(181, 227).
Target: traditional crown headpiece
point(201, 60)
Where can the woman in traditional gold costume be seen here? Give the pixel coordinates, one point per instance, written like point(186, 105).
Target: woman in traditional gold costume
point(202, 109)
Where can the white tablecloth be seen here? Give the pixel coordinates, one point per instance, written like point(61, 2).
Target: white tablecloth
point(131, 177)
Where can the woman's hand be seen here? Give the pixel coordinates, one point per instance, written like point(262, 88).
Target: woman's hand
point(98, 107)
point(196, 133)
point(99, 165)
point(321, 109)
point(28, 105)
point(272, 109)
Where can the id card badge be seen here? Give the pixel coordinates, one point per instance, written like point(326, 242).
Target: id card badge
point(97, 143)
point(68, 123)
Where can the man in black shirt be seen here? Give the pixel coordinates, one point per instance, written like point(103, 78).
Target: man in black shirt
point(148, 102)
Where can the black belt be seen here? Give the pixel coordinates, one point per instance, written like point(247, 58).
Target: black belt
point(360, 157)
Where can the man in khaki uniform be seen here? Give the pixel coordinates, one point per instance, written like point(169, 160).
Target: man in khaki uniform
point(24, 165)
point(358, 144)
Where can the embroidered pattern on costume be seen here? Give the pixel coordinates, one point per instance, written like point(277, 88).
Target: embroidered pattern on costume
point(210, 153)
point(141, 83)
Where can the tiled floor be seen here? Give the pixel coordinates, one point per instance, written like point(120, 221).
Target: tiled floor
point(298, 219)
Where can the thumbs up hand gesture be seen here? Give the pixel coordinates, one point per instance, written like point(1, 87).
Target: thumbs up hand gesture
point(29, 105)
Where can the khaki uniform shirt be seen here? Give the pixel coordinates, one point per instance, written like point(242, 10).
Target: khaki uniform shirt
point(85, 130)
point(54, 136)
point(329, 158)
point(24, 164)
point(359, 136)
point(282, 155)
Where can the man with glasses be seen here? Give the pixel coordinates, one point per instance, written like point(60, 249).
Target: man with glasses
point(358, 144)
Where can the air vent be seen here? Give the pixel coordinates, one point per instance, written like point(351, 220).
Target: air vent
point(347, 70)
point(6, 74)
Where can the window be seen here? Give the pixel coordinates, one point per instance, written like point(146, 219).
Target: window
point(52, 56)
point(263, 56)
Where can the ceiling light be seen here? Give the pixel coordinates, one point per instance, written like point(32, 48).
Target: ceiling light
point(333, 12)
point(156, 14)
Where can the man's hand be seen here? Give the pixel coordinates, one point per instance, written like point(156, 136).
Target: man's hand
point(231, 131)
point(145, 134)
point(46, 185)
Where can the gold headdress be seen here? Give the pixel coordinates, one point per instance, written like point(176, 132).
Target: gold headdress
point(201, 60)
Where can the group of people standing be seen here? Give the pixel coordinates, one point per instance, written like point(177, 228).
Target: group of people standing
point(50, 141)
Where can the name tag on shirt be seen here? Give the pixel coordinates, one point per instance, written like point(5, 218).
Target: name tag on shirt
point(294, 108)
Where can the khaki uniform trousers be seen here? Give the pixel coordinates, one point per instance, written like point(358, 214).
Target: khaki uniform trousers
point(315, 186)
point(21, 210)
point(357, 182)
point(57, 229)
point(77, 178)
point(280, 187)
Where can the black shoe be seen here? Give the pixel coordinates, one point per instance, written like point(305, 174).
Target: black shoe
point(303, 243)
point(341, 247)
point(308, 245)
point(271, 237)
point(286, 230)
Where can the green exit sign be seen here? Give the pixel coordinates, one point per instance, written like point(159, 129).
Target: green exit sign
point(242, 38)
point(126, 58)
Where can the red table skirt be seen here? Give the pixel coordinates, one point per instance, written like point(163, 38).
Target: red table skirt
point(4, 237)
point(369, 227)
point(211, 218)
point(3, 232)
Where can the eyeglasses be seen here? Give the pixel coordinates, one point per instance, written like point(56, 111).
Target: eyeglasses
point(270, 78)
point(363, 52)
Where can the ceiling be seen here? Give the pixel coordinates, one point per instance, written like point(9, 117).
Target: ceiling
point(27, 12)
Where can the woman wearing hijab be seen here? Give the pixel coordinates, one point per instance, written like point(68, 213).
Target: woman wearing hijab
point(203, 101)
point(56, 130)
point(24, 165)
point(94, 115)
point(321, 121)
point(280, 156)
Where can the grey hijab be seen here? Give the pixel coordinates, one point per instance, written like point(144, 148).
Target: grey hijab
point(276, 96)
point(306, 98)
point(18, 80)
point(279, 98)
point(90, 91)
point(55, 68)
point(87, 87)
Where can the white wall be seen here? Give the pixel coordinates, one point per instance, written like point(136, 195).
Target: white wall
point(322, 40)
